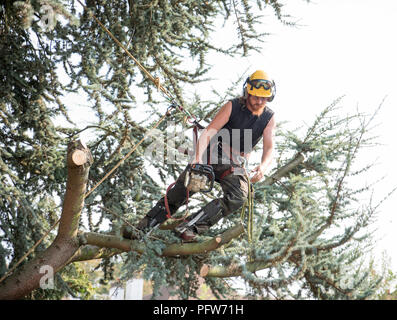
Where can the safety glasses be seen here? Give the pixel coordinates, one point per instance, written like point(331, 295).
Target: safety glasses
point(265, 84)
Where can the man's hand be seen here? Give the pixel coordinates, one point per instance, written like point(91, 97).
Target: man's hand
point(259, 172)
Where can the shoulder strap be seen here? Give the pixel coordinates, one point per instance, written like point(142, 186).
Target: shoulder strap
point(266, 116)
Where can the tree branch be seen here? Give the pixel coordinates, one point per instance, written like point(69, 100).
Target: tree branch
point(235, 270)
point(98, 240)
point(284, 170)
point(79, 160)
point(28, 277)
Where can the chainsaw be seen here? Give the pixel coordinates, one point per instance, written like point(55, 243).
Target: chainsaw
point(199, 178)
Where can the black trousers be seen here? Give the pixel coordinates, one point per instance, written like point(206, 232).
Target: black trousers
point(235, 193)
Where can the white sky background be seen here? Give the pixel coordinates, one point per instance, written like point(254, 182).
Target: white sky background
point(339, 48)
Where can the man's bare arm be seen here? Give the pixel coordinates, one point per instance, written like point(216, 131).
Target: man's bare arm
point(220, 119)
point(267, 152)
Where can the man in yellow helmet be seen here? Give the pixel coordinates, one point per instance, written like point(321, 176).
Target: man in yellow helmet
point(224, 145)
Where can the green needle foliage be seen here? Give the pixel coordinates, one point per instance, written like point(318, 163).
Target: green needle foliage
point(309, 229)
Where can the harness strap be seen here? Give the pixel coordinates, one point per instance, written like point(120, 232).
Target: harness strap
point(226, 173)
point(233, 161)
point(167, 207)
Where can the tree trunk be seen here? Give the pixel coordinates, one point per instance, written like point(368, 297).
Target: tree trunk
point(36, 272)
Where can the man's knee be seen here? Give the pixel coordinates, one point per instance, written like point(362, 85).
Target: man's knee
point(235, 190)
point(234, 201)
point(158, 213)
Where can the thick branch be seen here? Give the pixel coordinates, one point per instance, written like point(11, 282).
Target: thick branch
point(176, 249)
point(79, 160)
point(89, 252)
point(114, 242)
point(29, 276)
point(284, 170)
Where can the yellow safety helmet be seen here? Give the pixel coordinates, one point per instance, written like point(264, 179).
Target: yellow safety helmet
point(260, 85)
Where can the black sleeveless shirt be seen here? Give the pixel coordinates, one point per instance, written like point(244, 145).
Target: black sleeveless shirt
point(243, 130)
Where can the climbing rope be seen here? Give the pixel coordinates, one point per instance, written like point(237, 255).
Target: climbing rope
point(127, 155)
point(250, 204)
point(156, 81)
